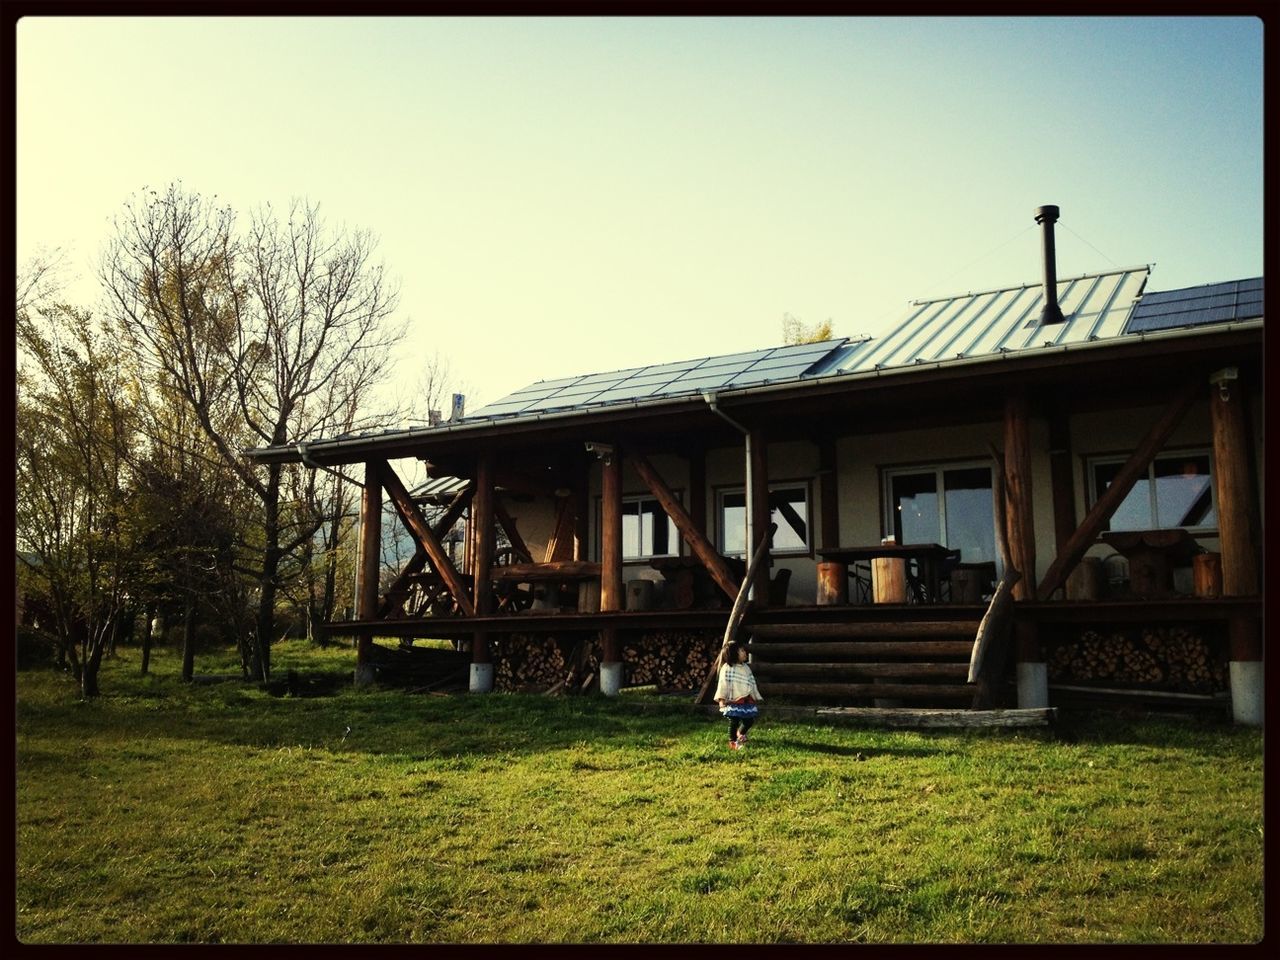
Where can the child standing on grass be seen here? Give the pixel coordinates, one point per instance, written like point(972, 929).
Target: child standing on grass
point(737, 694)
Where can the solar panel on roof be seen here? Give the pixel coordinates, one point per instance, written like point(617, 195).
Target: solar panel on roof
point(1196, 306)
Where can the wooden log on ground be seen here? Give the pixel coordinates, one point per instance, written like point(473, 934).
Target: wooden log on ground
point(908, 717)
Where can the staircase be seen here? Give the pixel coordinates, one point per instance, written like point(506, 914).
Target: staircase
point(917, 662)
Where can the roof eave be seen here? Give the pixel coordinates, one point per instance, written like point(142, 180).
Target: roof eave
point(336, 450)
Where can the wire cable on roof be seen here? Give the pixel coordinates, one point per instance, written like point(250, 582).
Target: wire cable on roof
point(992, 251)
point(1089, 245)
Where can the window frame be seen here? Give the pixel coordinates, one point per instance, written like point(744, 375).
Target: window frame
point(634, 498)
point(804, 483)
point(938, 468)
point(1094, 460)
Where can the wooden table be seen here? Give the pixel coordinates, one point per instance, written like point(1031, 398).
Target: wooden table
point(562, 572)
point(928, 556)
point(691, 585)
point(1152, 555)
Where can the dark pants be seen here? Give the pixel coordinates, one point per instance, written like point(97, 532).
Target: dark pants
point(739, 722)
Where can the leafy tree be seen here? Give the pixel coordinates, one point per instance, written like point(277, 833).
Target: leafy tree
point(76, 421)
point(795, 330)
point(287, 324)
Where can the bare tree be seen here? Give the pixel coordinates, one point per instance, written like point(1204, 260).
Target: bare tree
point(288, 323)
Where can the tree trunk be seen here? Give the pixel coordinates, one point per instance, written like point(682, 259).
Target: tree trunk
point(149, 613)
point(96, 646)
point(260, 665)
point(188, 643)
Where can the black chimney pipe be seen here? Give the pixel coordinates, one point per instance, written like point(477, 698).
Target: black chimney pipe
point(1048, 215)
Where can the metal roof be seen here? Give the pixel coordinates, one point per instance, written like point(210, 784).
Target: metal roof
point(998, 321)
point(726, 372)
point(439, 489)
point(1195, 306)
point(961, 330)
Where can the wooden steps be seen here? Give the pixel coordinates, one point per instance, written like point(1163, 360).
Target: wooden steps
point(925, 662)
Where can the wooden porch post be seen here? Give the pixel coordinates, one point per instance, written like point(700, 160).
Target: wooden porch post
point(698, 489)
point(482, 516)
point(1062, 480)
point(829, 494)
point(1236, 525)
point(370, 564)
point(581, 505)
point(1032, 671)
point(759, 526)
point(610, 567)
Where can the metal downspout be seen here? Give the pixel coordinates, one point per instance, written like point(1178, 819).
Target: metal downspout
point(710, 397)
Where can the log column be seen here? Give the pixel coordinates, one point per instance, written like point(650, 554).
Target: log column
point(1032, 671)
point(370, 557)
point(1236, 524)
point(482, 516)
point(611, 598)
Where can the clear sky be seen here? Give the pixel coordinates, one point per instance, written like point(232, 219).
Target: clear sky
point(562, 196)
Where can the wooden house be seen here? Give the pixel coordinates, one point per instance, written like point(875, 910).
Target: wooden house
point(1100, 440)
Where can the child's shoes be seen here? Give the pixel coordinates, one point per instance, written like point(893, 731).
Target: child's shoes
point(734, 745)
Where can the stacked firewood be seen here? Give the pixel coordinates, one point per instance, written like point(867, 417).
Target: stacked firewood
point(528, 662)
point(1172, 658)
point(669, 659)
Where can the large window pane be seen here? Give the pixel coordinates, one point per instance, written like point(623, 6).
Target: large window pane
point(791, 514)
point(657, 531)
point(1184, 493)
point(970, 521)
point(1135, 512)
point(630, 530)
point(733, 522)
point(915, 508)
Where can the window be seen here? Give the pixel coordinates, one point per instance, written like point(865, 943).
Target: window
point(961, 518)
point(647, 531)
point(788, 508)
point(1176, 492)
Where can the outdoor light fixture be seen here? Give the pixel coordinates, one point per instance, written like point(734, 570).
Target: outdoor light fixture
point(602, 450)
point(1224, 378)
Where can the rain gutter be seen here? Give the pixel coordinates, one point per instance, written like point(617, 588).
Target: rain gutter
point(710, 397)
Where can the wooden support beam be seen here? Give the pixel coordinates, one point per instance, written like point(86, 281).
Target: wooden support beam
point(417, 525)
point(829, 494)
point(697, 541)
point(482, 515)
point(508, 524)
point(370, 561)
point(698, 489)
point(560, 544)
point(611, 532)
point(998, 504)
point(390, 606)
point(581, 506)
point(760, 519)
point(1061, 477)
point(1019, 516)
point(1234, 480)
point(1133, 470)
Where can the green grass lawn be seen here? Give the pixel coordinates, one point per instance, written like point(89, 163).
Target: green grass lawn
point(168, 813)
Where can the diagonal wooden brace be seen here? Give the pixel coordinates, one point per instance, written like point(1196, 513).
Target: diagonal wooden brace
point(710, 558)
point(1133, 470)
point(426, 538)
